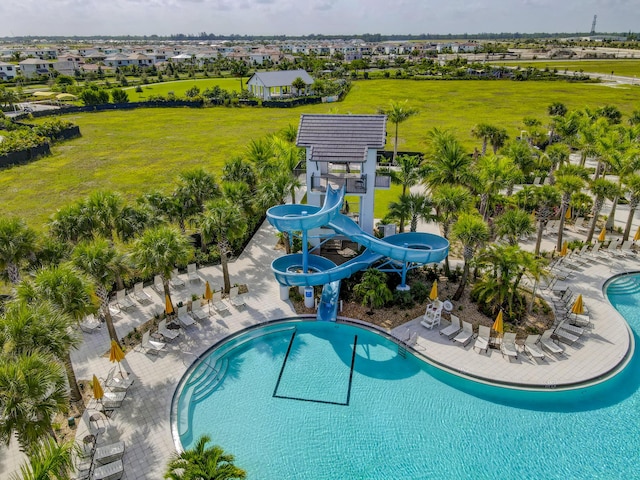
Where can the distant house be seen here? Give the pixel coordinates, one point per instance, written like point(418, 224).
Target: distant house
point(272, 85)
point(32, 67)
point(8, 71)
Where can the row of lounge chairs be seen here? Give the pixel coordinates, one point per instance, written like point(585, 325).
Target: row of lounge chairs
point(97, 461)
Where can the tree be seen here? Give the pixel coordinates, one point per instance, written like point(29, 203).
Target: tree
point(493, 175)
point(17, 242)
point(101, 262)
point(71, 293)
point(397, 113)
point(239, 69)
point(420, 208)
point(48, 461)
point(498, 138)
point(568, 185)
point(119, 96)
point(472, 231)
point(521, 154)
point(197, 186)
point(547, 197)
point(287, 156)
point(203, 463)
point(447, 162)
point(513, 224)
point(299, 84)
point(237, 169)
point(408, 172)
point(32, 392)
point(158, 251)
point(483, 131)
point(557, 109)
point(373, 289)
point(601, 189)
point(632, 186)
point(223, 221)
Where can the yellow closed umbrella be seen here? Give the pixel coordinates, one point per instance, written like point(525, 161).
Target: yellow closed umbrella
point(208, 294)
point(636, 237)
point(116, 354)
point(98, 392)
point(564, 250)
point(434, 291)
point(577, 307)
point(168, 306)
point(498, 325)
point(568, 214)
point(603, 235)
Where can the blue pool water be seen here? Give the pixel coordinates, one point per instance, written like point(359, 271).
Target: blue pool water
point(293, 401)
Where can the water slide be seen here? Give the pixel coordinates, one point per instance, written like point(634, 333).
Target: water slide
point(304, 269)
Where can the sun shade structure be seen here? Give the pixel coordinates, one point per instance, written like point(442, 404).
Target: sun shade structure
point(578, 307)
point(98, 392)
point(66, 96)
point(168, 307)
point(498, 325)
point(43, 94)
point(434, 290)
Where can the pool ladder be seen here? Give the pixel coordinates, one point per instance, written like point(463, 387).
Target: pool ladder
point(402, 351)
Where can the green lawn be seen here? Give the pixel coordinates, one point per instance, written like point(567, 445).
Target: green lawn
point(624, 67)
point(142, 150)
point(179, 87)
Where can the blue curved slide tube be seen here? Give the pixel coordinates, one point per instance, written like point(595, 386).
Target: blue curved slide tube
point(289, 270)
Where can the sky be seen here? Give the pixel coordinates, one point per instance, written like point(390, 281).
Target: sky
point(304, 17)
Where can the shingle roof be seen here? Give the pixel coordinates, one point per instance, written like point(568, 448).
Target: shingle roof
point(281, 78)
point(341, 138)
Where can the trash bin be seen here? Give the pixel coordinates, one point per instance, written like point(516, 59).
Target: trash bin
point(308, 297)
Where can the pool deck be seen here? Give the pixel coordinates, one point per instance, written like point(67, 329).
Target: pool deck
point(143, 423)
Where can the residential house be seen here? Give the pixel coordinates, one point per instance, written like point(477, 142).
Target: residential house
point(273, 85)
point(33, 67)
point(8, 71)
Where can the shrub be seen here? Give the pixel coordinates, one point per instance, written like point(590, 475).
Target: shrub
point(403, 299)
point(420, 292)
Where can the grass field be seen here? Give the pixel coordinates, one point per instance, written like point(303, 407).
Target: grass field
point(180, 87)
point(626, 68)
point(142, 150)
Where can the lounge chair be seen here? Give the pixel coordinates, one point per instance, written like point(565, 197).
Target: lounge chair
point(579, 320)
point(109, 453)
point(140, 294)
point(531, 347)
point(508, 345)
point(117, 383)
point(466, 335)
point(571, 328)
point(175, 281)
point(564, 336)
point(198, 312)
point(453, 329)
point(184, 318)
point(578, 225)
point(482, 340)
point(625, 250)
point(611, 249)
point(110, 471)
point(158, 284)
point(112, 399)
point(151, 346)
point(124, 302)
point(89, 324)
point(167, 333)
point(236, 299)
point(547, 343)
point(218, 304)
point(192, 273)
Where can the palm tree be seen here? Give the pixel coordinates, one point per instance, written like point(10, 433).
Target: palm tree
point(450, 201)
point(17, 242)
point(472, 231)
point(408, 172)
point(601, 189)
point(568, 185)
point(195, 188)
point(632, 186)
point(400, 210)
point(483, 131)
point(158, 251)
point(237, 169)
point(547, 197)
point(521, 154)
point(48, 460)
point(447, 162)
point(260, 153)
point(420, 208)
point(287, 157)
point(493, 175)
point(223, 221)
point(68, 291)
point(397, 113)
point(373, 289)
point(513, 224)
point(498, 138)
point(100, 260)
point(32, 391)
point(203, 463)
point(558, 155)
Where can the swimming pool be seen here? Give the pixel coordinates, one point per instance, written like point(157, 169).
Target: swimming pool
point(312, 400)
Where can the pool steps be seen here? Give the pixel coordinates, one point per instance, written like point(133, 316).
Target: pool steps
point(208, 376)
